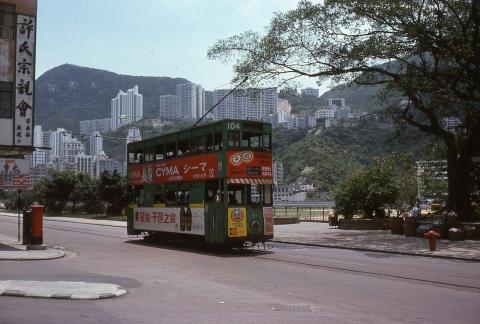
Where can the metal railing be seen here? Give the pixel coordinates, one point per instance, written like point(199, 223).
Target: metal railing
point(303, 213)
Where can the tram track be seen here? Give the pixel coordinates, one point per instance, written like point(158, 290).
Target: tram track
point(73, 230)
point(369, 273)
point(260, 255)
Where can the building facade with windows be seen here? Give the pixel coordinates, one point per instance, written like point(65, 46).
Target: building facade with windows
point(96, 144)
point(126, 108)
point(190, 101)
point(167, 107)
point(249, 104)
point(313, 92)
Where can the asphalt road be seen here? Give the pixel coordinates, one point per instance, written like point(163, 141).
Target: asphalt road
point(287, 284)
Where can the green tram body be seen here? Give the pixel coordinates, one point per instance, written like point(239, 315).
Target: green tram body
point(240, 182)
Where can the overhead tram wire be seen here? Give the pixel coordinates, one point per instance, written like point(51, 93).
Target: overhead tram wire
point(204, 115)
point(82, 135)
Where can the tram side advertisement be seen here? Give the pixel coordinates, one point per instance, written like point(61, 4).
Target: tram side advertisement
point(194, 168)
point(186, 220)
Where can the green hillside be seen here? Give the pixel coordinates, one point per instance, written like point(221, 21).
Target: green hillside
point(335, 152)
point(67, 94)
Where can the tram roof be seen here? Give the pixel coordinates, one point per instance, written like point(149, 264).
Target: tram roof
point(199, 130)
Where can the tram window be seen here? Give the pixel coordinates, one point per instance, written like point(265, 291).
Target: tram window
point(209, 143)
point(254, 194)
point(233, 139)
point(266, 141)
point(160, 194)
point(149, 154)
point(198, 144)
point(159, 152)
point(170, 197)
point(250, 139)
point(236, 194)
point(139, 156)
point(183, 148)
point(218, 141)
point(131, 157)
point(211, 190)
point(267, 194)
point(136, 195)
point(170, 150)
point(183, 197)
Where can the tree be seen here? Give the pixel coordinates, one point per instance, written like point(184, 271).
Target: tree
point(112, 189)
point(368, 190)
point(86, 192)
point(56, 189)
point(425, 53)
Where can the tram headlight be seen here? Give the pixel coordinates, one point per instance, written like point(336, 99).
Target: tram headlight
point(255, 226)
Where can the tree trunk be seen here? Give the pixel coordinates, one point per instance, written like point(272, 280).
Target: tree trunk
point(458, 169)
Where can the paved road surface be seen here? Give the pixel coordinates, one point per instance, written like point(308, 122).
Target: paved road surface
point(288, 284)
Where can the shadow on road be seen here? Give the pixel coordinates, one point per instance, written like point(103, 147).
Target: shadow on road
point(202, 248)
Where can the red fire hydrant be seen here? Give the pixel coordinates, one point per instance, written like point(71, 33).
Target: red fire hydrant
point(37, 224)
point(432, 237)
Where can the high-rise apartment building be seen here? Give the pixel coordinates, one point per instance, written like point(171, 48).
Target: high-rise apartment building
point(278, 172)
point(126, 108)
point(167, 107)
point(103, 164)
point(56, 140)
point(253, 104)
point(41, 143)
point(96, 144)
point(84, 164)
point(190, 101)
point(314, 92)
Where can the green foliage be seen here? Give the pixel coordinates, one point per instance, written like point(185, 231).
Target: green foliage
point(367, 190)
point(336, 152)
point(55, 190)
point(112, 189)
point(86, 192)
point(428, 53)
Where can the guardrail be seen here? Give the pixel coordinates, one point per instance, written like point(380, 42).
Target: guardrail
point(303, 213)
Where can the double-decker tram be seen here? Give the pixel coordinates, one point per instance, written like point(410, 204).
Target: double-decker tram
point(211, 182)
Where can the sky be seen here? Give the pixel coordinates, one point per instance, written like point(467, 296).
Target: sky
point(149, 37)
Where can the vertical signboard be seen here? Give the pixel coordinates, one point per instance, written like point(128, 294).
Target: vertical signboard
point(24, 80)
point(15, 174)
point(268, 220)
point(237, 222)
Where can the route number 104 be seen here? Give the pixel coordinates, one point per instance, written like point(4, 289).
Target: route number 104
point(233, 126)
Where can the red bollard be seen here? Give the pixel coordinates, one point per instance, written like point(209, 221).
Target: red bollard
point(37, 224)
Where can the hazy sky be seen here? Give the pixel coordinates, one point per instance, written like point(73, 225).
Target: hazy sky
point(148, 37)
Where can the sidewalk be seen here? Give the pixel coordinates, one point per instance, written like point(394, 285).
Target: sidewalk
point(12, 250)
point(319, 234)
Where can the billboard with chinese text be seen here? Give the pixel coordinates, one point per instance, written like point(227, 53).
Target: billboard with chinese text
point(15, 174)
point(185, 220)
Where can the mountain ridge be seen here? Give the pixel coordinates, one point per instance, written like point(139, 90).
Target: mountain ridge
point(69, 93)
